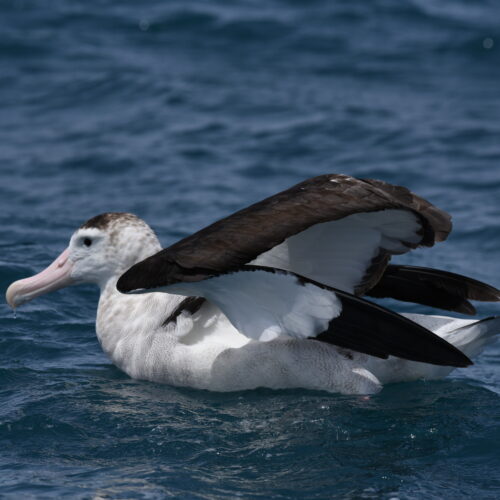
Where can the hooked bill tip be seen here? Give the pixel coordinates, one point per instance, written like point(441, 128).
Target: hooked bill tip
point(11, 297)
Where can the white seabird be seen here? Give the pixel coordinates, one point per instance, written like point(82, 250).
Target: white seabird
point(273, 293)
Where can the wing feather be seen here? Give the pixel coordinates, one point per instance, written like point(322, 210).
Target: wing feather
point(266, 303)
point(332, 228)
point(433, 287)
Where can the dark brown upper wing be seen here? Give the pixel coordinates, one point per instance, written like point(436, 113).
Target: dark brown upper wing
point(433, 287)
point(243, 236)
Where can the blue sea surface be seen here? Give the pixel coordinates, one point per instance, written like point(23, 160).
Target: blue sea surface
point(182, 112)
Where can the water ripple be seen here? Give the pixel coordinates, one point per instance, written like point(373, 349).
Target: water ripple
point(183, 112)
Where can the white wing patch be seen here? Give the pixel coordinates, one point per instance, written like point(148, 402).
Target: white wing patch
point(338, 253)
point(264, 305)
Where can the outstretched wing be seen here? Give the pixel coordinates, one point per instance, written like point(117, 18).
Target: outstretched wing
point(334, 229)
point(433, 287)
point(361, 223)
point(421, 285)
point(266, 303)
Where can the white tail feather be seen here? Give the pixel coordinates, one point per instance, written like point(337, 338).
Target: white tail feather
point(472, 339)
point(470, 336)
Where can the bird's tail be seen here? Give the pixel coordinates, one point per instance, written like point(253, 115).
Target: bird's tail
point(470, 336)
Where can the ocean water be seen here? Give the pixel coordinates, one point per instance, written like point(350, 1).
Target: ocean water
point(182, 112)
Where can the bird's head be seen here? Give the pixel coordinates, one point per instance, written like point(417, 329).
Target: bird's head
point(103, 248)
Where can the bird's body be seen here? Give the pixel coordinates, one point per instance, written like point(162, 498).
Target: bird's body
point(249, 320)
point(204, 351)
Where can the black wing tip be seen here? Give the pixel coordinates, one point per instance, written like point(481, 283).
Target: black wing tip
point(127, 284)
point(434, 288)
point(123, 284)
point(465, 308)
point(153, 272)
point(138, 277)
point(459, 360)
point(465, 364)
point(390, 334)
point(473, 288)
point(456, 357)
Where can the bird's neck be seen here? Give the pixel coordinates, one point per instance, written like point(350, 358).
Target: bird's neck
point(128, 326)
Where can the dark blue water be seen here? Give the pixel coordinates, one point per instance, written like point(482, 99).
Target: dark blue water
point(182, 112)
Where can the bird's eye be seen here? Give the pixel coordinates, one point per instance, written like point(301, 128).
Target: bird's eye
point(87, 242)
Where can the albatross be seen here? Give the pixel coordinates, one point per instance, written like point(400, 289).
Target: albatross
point(274, 295)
